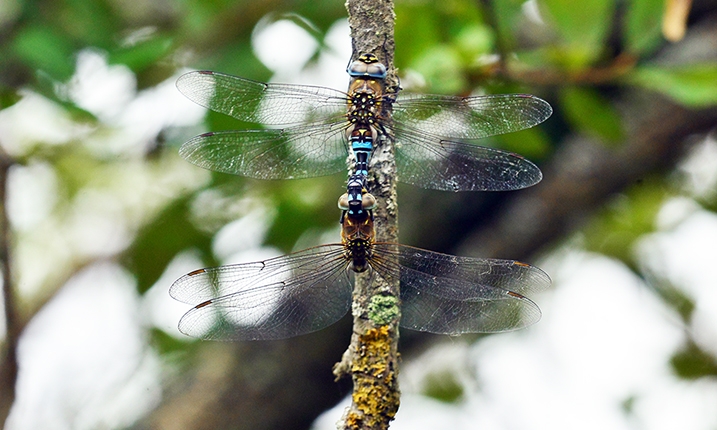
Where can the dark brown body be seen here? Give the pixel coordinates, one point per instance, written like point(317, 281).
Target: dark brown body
point(358, 235)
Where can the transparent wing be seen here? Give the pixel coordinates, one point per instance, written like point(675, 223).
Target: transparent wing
point(298, 152)
point(468, 118)
point(274, 299)
point(446, 294)
point(427, 162)
point(270, 104)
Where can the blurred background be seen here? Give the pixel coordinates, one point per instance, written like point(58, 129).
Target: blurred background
point(103, 215)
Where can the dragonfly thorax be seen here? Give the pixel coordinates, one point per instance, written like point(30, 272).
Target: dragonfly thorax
point(365, 100)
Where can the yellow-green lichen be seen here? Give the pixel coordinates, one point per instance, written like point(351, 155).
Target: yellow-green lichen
point(383, 309)
point(375, 394)
point(353, 421)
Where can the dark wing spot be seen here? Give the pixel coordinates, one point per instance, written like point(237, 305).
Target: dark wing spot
point(201, 305)
point(196, 272)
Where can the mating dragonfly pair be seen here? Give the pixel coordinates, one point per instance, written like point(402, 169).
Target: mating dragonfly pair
point(310, 289)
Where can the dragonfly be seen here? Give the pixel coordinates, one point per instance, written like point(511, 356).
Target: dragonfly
point(310, 130)
point(311, 289)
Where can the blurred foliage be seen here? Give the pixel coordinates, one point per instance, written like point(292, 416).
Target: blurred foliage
point(643, 20)
point(532, 143)
point(577, 57)
point(443, 386)
point(615, 229)
point(692, 85)
point(692, 363)
point(581, 30)
point(676, 298)
point(592, 114)
point(160, 240)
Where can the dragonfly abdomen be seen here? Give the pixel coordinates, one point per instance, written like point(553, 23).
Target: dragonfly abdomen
point(357, 230)
point(361, 138)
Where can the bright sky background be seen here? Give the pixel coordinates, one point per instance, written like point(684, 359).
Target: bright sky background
point(85, 363)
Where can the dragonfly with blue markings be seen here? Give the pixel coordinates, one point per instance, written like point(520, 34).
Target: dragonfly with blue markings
point(309, 130)
point(310, 289)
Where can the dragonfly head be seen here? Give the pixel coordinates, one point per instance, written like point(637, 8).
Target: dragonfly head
point(366, 66)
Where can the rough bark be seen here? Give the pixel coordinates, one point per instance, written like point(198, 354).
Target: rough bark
point(8, 360)
point(372, 357)
point(8, 363)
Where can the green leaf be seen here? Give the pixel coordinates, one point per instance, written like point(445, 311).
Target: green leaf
point(508, 15)
point(692, 85)
point(89, 23)
point(160, 241)
point(531, 143)
point(43, 49)
point(421, 26)
point(583, 25)
point(473, 41)
point(441, 67)
point(692, 363)
point(238, 59)
point(417, 30)
point(142, 55)
point(676, 299)
point(443, 386)
point(643, 25)
point(166, 344)
point(614, 231)
point(586, 110)
point(8, 97)
point(303, 205)
point(323, 13)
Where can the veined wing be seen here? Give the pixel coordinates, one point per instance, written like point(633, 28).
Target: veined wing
point(446, 294)
point(469, 118)
point(273, 299)
point(446, 165)
point(297, 152)
point(270, 104)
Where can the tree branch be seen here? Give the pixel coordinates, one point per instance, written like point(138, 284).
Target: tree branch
point(372, 357)
point(8, 366)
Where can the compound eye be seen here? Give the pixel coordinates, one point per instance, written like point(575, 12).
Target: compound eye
point(367, 66)
point(344, 202)
point(357, 68)
point(368, 201)
point(376, 70)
